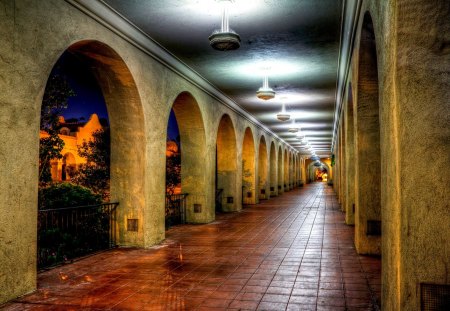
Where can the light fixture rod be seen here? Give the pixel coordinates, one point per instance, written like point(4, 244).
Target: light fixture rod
point(266, 82)
point(225, 23)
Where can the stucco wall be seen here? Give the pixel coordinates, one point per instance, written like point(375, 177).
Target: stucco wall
point(413, 76)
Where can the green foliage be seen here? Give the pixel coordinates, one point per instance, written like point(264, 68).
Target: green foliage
point(173, 172)
point(332, 160)
point(62, 195)
point(95, 173)
point(56, 97)
point(49, 148)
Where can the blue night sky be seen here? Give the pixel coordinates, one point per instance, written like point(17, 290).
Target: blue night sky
point(172, 127)
point(88, 98)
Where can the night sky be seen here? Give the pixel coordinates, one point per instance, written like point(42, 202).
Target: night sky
point(172, 127)
point(89, 98)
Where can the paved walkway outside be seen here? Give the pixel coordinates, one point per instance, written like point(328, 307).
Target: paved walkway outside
point(293, 252)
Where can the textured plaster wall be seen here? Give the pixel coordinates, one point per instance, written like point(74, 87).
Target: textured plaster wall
point(413, 82)
point(139, 92)
point(422, 95)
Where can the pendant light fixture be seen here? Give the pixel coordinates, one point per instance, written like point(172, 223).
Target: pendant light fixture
point(300, 136)
point(283, 115)
point(265, 92)
point(293, 128)
point(225, 39)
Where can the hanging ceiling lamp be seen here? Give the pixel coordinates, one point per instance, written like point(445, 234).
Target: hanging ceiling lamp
point(283, 115)
point(265, 92)
point(300, 136)
point(293, 128)
point(225, 39)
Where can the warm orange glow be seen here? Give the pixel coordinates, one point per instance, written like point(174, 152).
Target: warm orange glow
point(63, 276)
point(73, 135)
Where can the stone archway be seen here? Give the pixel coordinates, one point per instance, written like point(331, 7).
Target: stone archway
point(263, 166)
point(226, 166)
point(248, 168)
point(193, 146)
point(273, 170)
point(367, 145)
point(126, 120)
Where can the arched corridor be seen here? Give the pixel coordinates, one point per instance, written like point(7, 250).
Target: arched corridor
point(288, 193)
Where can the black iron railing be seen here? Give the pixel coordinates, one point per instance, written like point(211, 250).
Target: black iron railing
point(67, 233)
point(175, 209)
point(219, 199)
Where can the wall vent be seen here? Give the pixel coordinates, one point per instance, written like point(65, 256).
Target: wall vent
point(230, 200)
point(132, 225)
point(272, 188)
point(263, 191)
point(249, 194)
point(197, 208)
point(373, 227)
point(434, 297)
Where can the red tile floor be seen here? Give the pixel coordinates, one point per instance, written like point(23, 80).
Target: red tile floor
point(293, 252)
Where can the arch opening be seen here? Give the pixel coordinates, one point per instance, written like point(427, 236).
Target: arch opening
point(226, 167)
point(193, 174)
point(94, 141)
point(367, 146)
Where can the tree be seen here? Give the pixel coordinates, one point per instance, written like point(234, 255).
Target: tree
point(173, 172)
point(95, 173)
point(56, 98)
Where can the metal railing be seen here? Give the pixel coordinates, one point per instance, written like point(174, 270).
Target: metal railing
point(175, 209)
point(67, 233)
point(219, 199)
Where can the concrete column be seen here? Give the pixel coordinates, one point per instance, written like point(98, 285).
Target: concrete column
point(280, 171)
point(273, 171)
point(263, 179)
point(249, 169)
point(349, 190)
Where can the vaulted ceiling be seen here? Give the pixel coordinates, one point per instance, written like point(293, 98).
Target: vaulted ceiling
point(295, 41)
